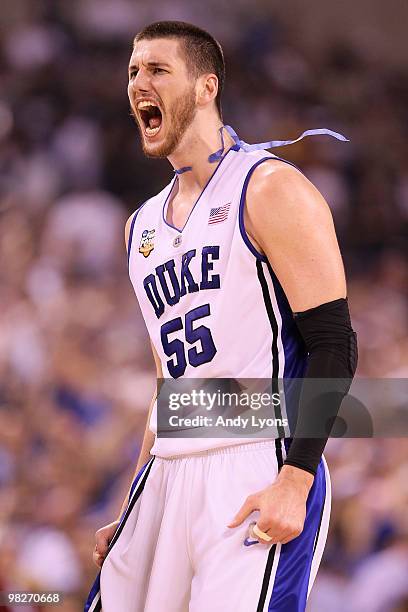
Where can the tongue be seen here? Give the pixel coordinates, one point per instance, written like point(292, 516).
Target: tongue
point(154, 122)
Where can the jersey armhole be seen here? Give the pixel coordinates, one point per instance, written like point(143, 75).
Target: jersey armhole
point(129, 244)
point(132, 226)
point(242, 229)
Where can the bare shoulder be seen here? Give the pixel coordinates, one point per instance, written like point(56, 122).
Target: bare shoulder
point(289, 221)
point(279, 190)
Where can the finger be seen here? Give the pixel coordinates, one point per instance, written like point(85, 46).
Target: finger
point(261, 536)
point(266, 542)
point(271, 528)
point(102, 543)
point(277, 529)
point(98, 559)
point(246, 509)
point(277, 536)
point(270, 535)
point(265, 523)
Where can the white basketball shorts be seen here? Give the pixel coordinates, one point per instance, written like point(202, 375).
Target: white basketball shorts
point(173, 551)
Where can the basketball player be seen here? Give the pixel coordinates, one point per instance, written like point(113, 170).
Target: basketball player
point(238, 274)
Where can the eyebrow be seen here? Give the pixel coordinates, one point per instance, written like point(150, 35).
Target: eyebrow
point(149, 64)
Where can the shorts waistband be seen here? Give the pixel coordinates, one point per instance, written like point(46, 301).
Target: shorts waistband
point(224, 450)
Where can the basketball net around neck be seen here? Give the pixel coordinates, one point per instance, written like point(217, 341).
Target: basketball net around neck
point(244, 146)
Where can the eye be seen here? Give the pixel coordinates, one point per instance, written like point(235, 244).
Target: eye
point(132, 74)
point(159, 70)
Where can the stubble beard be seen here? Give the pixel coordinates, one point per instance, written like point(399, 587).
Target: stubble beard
point(181, 114)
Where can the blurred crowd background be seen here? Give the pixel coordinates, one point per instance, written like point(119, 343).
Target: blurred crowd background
point(76, 373)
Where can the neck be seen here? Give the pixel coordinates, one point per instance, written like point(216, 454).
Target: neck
point(197, 144)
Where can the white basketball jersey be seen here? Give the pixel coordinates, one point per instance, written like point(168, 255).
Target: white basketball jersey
point(212, 304)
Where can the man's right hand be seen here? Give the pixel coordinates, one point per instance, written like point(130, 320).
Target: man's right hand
point(103, 536)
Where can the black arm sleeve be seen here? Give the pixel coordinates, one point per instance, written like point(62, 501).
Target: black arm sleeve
point(332, 355)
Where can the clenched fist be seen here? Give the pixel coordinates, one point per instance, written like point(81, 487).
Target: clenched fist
point(103, 536)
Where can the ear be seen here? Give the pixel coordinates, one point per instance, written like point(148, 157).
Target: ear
point(207, 89)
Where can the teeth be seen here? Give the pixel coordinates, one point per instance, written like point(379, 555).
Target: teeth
point(145, 103)
point(152, 131)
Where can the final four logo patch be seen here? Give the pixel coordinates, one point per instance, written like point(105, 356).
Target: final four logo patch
point(146, 243)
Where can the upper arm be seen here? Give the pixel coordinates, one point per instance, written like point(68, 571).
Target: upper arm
point(289, 220)
point(127, 230)
point(156, 357)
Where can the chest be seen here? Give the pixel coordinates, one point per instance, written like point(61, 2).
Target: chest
point(179, 209)
point(172, 267)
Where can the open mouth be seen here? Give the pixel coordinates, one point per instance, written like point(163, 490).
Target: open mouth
point(151, 117)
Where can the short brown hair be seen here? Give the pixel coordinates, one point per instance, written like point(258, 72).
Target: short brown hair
point(202, 52)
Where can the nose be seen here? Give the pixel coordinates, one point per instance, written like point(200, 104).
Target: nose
point(141, 82)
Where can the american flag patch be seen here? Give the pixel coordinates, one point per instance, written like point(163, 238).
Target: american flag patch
point(217, 215)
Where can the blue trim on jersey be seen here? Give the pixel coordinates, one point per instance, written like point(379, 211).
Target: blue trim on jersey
point(134, 483)
point(242, 229)
point(294, 351)
point(129, 245)
point(241, 211)
point(293, 345)
point(233, 148)
point(165, 203)
point(132, 225)
point(292, 576)
point(94, 594)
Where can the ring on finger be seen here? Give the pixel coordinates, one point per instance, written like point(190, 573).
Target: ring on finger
point(261, 534)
